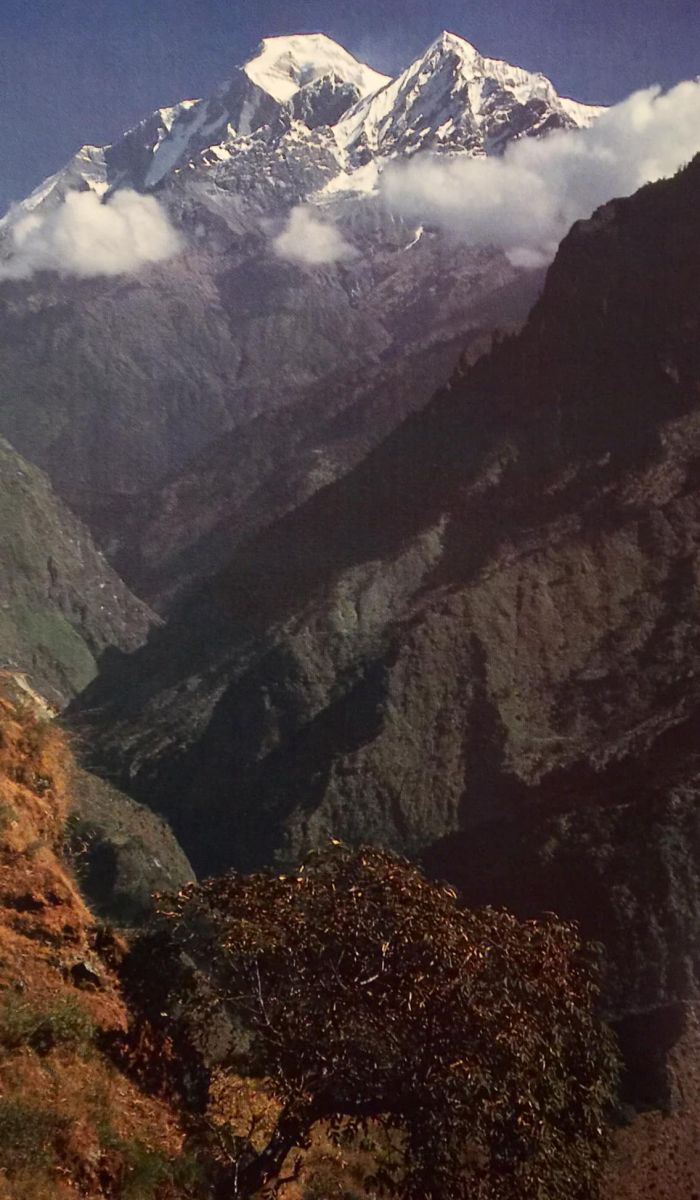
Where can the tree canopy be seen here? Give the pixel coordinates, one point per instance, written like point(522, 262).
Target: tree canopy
point(368, 993)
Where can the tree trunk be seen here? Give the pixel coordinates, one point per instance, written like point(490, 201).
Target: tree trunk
point(246, 1179)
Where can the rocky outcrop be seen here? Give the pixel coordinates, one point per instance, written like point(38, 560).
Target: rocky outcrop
point(61, 604)
point(122, 853)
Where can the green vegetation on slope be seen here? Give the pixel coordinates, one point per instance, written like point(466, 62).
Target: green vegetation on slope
point(61, 605)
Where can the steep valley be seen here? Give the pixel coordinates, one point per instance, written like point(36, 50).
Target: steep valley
point(480, 647)
point(344, 546)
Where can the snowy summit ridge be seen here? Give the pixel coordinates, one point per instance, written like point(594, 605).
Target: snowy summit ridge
point(283, 65)
point(308, 98)
point(454, 98)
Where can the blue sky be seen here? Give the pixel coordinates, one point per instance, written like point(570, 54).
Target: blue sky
point(75, 71)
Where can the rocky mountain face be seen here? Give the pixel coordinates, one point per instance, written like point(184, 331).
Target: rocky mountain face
point(61, 604)
point(187, 527)
point(481, 646)
point(143, 396)
point(121, 852)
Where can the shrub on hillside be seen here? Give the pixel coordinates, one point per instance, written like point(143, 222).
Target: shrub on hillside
point(369, 995)
point(28, 1135)
point(42, 1027)
point(147, 1173)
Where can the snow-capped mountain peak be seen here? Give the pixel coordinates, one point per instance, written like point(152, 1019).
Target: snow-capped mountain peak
point(452, 42)
point(308, 76)
point(454, 98)
point(283, 65)
point(305, 109)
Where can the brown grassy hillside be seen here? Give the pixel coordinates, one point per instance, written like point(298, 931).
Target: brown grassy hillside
point(74, 1124)
point(70, 1123)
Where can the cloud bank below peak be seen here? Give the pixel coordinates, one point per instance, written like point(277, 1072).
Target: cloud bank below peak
point(313, 242)
point(526, 201)
point(85, 237)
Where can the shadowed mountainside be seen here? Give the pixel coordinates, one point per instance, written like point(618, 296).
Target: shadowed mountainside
point(61, 604)
point(481, 646)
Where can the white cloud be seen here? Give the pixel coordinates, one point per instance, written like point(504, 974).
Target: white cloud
point(527, 200)
point(308, 239)
point(84, 236)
